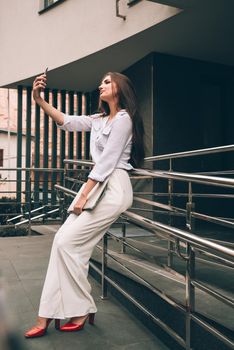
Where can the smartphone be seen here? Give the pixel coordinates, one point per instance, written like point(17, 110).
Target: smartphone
point(46, 71)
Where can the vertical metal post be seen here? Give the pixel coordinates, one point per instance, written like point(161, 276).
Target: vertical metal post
point(28, 143)
point(79, 134)
point(123, 247)
point(29, 203)
point(104, 267)
point(54, 150)
point(189, 208)
point(71, 134)
point(19, 144)
point(170, 250)
point(170, 201)
point(28, 127)
point(62, 136)
point(46, 152)
point(37, 156)
point(62, 213)
point(170, 192)
point(87, 134)
point(64, 197)
point(190, 294)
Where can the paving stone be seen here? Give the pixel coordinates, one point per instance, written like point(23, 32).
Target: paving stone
point(24, 264)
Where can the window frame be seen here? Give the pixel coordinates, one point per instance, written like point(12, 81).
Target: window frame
point(132, 2)
point(43, 8)
point(1, 156)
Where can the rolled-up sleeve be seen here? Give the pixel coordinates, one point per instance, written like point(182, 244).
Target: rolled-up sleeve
point(76, 123)
point(120, 136)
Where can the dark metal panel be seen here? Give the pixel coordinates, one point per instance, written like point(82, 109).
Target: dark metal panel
point(48, 5)
point(28, 127)
point(28, 143)
point(62, 134)
point(54, 149)
point(71, 134)
point(19, 142)
point(45, 151)
point(54, 131)
point(87, 134)
point(79, 134)
point(37, 155)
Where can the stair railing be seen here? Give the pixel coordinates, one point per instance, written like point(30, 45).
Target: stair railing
point(184, 244)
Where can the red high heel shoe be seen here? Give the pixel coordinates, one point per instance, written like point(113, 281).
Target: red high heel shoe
point(72, 327)
point(35, 332)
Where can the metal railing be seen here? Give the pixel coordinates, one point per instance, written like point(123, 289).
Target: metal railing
point(189, 212)
point(172, 157)
point(182, 243)
point(36, 194)
point(193, 245)
point(198, 152)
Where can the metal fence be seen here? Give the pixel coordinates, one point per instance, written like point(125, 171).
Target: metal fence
point(37, 198)
point(182, 243)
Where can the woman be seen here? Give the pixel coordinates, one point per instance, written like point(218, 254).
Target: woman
point(116, 145)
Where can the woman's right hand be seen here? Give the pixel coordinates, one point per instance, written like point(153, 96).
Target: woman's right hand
point(39, 85)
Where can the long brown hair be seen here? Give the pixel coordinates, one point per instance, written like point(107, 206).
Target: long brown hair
point(126, 97)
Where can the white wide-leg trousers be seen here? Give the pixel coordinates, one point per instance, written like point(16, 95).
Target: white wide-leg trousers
point(66, 291)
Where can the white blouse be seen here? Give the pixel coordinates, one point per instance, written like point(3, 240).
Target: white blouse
point(110, 141)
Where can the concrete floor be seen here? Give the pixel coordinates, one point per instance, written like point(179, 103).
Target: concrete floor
point(23, 263)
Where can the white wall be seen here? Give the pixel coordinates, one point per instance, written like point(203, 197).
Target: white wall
point(72, 30)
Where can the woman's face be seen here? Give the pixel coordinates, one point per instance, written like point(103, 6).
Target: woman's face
point(107, 89)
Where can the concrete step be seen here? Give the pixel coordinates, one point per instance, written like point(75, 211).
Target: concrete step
point(170, 283)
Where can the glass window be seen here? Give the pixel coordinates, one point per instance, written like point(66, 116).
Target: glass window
point(131, 2)
point(49, 2)
point(46, 5)
point(1, 157)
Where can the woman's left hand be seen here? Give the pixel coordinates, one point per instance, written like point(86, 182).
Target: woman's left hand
point(78, 207)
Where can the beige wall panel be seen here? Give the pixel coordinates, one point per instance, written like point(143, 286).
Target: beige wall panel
point(72, 30)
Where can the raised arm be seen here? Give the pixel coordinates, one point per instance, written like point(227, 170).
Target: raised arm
point(39, 85)
point(65, 122)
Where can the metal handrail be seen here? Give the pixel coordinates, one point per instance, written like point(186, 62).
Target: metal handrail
point(180, 238)
point(179, 194)
point(170, 175)
point(66, 190)
point(192, 241)
point(185, 236)
point(37, 217)
point(79, 162)
point(202, 179)
point(192, 153)
point(27, 213)
point(34, 169)
point(223, 222)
